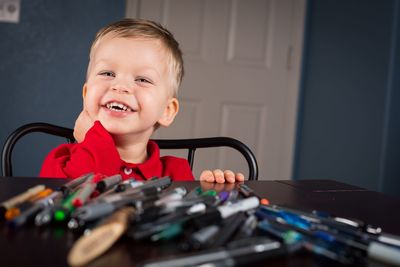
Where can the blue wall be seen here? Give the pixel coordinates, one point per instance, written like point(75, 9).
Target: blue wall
point(348, 120)
point(43, 65)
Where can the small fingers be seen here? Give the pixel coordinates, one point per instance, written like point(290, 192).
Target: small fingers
point(219, 176)
point(229, 176)
point(239, 177)
point(207, 176)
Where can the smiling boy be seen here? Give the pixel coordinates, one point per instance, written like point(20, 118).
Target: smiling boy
point(134, 73)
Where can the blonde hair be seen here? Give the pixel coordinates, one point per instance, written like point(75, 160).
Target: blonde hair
point(152, 30)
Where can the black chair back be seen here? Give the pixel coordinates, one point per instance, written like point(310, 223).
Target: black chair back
point(190, 144)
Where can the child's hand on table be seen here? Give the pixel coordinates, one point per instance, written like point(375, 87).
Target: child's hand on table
point(221, 177)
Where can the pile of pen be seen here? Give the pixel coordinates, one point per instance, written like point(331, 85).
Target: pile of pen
point(225, 228)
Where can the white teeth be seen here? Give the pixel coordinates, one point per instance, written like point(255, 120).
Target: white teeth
point(117, 107)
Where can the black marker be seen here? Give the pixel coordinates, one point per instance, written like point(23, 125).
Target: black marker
point(201, 238)
point(246, 191)
point(230, 226)
point(244, 253)
point(108, 183)
point(68, 187)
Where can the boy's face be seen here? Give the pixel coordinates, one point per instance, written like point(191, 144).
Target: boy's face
point(128, 87)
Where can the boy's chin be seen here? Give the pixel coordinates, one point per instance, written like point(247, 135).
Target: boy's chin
point(118, 130)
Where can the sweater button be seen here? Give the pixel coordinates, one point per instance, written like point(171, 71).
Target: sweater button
point(127, 171)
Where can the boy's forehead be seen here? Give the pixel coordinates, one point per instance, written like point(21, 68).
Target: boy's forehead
point(110, 37)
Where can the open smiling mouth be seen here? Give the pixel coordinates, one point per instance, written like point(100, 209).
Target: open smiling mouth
point(116, 106)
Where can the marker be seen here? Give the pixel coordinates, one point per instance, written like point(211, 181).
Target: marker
point(83, 194)
point(101, 238)
point(45, 216)
point(62, 212)
point(201, 238)
point(222, 197)
point(244, 253)
point(194, 193)
point(70, 186)
point(246, 191)
point(210, 192)
point(108, 183)
point(13, 212)
point(233, 195)
point(97, 210)
point(178, 204)
point(169, 233)
point(160, 183)
point(230, 226)
point(36, 208)
point(340, 226)
point(147, 229)
point(130, 183)
point(241, 205)
point(16, 200)
point(373, 249)
point(172, 195)
point(248, 227)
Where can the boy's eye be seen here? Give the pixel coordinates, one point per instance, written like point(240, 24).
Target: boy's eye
point(143, 80)
point(107, 73)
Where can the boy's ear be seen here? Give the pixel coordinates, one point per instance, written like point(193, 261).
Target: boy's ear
point(170, 112)
point(84, 90)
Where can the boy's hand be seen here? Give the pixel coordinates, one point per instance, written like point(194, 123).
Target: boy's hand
point(82, 124)
point(220, 176)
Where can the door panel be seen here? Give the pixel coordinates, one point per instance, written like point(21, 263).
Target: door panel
point(241, 76)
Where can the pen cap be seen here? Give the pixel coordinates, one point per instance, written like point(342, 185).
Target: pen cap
point(108, 182)
point(67, 187)
point(242, 205)
point(93, 211)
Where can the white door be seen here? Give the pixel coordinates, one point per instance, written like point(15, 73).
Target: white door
point(242, 64)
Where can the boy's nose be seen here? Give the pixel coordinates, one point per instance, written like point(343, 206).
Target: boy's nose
point(122, 88)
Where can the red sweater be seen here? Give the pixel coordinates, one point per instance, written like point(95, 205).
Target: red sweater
point(98, 154)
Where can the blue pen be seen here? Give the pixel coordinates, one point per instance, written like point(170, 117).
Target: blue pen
point(296, 239)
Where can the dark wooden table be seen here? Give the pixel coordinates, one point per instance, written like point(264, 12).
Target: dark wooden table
point(31, 246)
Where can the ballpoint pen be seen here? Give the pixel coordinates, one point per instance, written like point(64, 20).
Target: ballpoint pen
point(328, 235)
point(297, 239)
point(353, 229)
point(16, 200)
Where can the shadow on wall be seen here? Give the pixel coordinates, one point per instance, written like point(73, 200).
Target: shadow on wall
point(43, 67)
